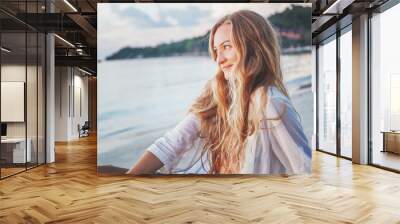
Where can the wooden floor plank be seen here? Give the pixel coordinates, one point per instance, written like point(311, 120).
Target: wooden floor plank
point(69, 191)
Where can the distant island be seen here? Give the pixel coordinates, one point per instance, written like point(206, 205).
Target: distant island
point(293, 26)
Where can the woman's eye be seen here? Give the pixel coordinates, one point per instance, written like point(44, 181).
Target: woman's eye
point(227, 47)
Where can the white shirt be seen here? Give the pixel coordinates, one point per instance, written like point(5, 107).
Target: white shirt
point(278, 147)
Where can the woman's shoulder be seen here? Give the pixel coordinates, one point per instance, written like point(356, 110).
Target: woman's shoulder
point(276, 95)
point(272, 94)
point(277, 103)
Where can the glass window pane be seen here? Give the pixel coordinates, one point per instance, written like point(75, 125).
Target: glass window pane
point(13, 85)
point(346, 94)
point(327, 97)
point(31, 101)
point(22, 89)
point(31, 87)
point(385, 86)
point(41, 98)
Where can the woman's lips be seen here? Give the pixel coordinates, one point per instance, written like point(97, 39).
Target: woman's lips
point(226, 67)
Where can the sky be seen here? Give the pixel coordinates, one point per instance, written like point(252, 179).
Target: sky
point(149, 24)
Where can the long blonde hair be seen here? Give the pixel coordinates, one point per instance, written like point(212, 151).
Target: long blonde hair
point(231, 110)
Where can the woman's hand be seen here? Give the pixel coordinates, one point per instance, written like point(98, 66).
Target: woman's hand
point(147, 164)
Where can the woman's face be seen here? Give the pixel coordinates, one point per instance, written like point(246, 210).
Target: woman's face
point(227, 55)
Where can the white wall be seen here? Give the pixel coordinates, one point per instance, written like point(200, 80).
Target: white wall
point(61, 103)
point(70, 84)
point(12, 73)
point(33, 126)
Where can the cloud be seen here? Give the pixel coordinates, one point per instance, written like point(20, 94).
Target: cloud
point(141, 19)
point(149, 24)
point(191, 16)
point(150, 16)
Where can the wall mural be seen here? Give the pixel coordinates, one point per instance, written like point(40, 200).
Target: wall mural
point(204, 88)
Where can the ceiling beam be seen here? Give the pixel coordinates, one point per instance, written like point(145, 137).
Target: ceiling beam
point(337, 6)
point(86, 26)
point(81, 61)
point(321, 23)
point(49, 22)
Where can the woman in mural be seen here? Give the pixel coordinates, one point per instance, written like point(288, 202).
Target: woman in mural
point(244, 121)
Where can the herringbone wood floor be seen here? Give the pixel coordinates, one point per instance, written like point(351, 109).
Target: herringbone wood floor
point(70, 191)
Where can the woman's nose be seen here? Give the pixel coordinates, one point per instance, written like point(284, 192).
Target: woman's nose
point(221, 59)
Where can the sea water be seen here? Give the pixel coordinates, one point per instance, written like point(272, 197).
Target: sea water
point(140, 99)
